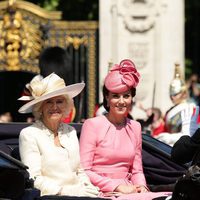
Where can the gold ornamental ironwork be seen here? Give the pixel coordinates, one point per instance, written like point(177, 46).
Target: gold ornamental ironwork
point(77, 41)
point(19, 40)
point(26, 29)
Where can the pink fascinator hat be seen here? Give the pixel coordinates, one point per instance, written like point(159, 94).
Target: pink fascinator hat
point(122, 77)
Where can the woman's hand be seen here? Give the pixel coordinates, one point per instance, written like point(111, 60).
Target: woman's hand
point(141, 189)
point(90, 190)
point(126, 189)
point(80, 190)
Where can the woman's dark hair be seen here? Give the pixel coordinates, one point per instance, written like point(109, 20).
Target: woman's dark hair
point(106, 92)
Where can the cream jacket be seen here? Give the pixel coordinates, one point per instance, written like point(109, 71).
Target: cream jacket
point(51, 167)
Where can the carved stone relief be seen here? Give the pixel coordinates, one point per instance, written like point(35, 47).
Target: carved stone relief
point(139, 15)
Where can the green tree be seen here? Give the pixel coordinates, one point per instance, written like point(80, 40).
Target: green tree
point(49, 5)
point(71, 9)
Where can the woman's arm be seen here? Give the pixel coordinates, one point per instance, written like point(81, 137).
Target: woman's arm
point(137, 177)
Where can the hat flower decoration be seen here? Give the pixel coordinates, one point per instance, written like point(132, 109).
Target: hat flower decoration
point(37, 88)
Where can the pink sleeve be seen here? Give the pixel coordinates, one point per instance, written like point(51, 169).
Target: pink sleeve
point(137, 168)
point(88, 143)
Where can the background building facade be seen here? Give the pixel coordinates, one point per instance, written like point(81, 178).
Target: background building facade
point(151, 33)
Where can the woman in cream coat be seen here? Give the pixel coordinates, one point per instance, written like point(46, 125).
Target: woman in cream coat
point(50, 147)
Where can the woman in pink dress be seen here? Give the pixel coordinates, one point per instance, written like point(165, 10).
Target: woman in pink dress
point(111, 144)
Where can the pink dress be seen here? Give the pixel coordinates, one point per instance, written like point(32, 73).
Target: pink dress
point(111, 156)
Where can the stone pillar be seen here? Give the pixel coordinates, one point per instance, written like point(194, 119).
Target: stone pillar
point(149, 32)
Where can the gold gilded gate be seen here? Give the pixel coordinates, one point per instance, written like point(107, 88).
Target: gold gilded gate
point(25, 29)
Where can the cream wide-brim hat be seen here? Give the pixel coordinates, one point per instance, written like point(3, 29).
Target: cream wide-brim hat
point(50, 86)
